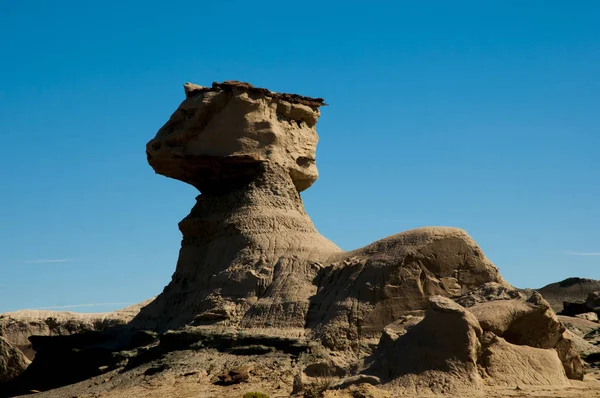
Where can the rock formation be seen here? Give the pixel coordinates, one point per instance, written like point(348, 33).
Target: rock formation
point(16, 329)
point(250, 255)
point(364, 290)
point(437, 355)
point(12, 361)
point(423, 311)
point(573, 290)
point(249, 252)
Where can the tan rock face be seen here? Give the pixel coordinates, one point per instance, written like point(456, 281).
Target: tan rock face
point(217, 134)
point(507, 364)
point(252, 259)
point(250, 252)
point(367, 289)
point(16, 327)
point(251, 256)
point(12, 361)
point(437, 355)
point(530, 323)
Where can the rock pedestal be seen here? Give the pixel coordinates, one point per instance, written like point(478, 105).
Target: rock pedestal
point(249, 252)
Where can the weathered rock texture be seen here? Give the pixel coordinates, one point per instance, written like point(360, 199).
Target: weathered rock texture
point(531, 323)
point(366, 289)
point(219, 136)
point(251, 256)
point(450, 350)
point(12, 361)
point(507, 364)
point(437, 355)
point(16, 327)
point(255, 279)
point(250, 252)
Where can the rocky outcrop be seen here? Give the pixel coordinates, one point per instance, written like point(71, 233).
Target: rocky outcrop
point(16, 327)
point(437, 355)
point(255, 279)
point(249, 252)
point(508, 364)
point(250, 255)
point(490, 291)
point(574, 290)
point(590, 305)
point(366, 289)
point(588, 316)
point(580, 327)
point(531, 323)
point(449, 351)
point(12, 361)
point(220, 135)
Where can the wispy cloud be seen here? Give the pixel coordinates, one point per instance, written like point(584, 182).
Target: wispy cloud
point(583, 253)
point(50, 261)
point(56, 307)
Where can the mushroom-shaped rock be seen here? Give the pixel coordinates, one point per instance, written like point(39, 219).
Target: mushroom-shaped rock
point(249, 252)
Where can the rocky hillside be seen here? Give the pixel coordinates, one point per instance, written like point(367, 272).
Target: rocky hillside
point(570, 290)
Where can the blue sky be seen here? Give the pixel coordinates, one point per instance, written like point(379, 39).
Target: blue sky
point(480, 115)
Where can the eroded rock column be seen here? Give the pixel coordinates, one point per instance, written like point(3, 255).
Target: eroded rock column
point(249, 252)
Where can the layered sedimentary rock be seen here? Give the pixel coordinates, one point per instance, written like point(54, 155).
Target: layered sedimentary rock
point(437, 355)
point(254, 276)
point(19, 327)
point(250, 255)
point(16, 327)
point(366, 289)
point(249, 252)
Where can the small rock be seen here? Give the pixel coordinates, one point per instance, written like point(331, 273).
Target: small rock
point(355, 380)
point(234, 376)
point(589, 316)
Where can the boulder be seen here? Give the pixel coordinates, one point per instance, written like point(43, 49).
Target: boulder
point(437, 355)
point(236, 375)
point(592, 302)
point(512, 365)
point(588, 316)
point(12, 361)
point(367, 289)
point(582, 346)
point(568, 351)
point(531, 323)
